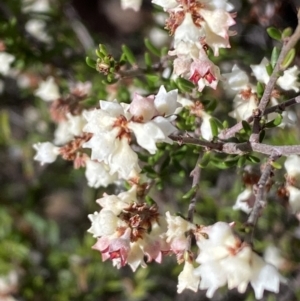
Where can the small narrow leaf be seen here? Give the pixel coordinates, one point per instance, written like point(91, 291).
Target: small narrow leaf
point(269, 69)
point(275, 122)
point(241, 162)
point(211, 105)
point(103, 49)
point(191, 192)
point(184, 84)
point(148, 61)
point(274, 56)
point(151, 47)
point(262, 136)
point(260, 89)
point(253, 159)
point(246, 127)
point(129, 55)
point(205, 160)
point(213, 126)
point(288, 59)
point(287, 32)
point(90, 62)
point(274, 33)
point(276, 165)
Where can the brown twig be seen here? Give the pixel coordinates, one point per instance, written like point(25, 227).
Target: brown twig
point(232, 148)
point(228, 133)
point(259, 190)
point(288, 44)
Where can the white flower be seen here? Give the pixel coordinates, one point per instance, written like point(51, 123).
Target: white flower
point(264, 277)
point(62, 133)
point(46, 152)
point(205, 127)
point(166, 102)
point(177, 226)
point(5, 60)
point(97, 174)
point(187, 31)
point(116, 203)
point(292, 167)
point(48, 90)
point(236, 80)
point(289, 79)
point(225, 259)
point(272, 255)
point(104, 223)
point(37, 28)
point(294, 198)
point(133, 4)
point(35, 6)
point(243, 200)
point(166, 4)
point(243, 107)
point(187, 279)
point(260, 71)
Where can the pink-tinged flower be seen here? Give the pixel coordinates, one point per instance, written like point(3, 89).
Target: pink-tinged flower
point(204, 73)
point(115, 249)
point(143, 108)
point(187, 279)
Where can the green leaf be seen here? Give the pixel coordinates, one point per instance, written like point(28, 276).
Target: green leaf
point(274, 56)
point(184, 84)
point(275, 122)
point(262, 136)
point(253, 159)
point(276, 165)
point(103, 49)
point(129, 55)
point(213, 126)
point(246, 127)
point(148, 60)
point(241, 162)
point(190, 193)
point(274, 33)
point(260, 89)
point(269, 69)
point(205, 160)
point(151, 47)
point(210, 105)
point(288, 59)
point(90, 62)
point(287, 32)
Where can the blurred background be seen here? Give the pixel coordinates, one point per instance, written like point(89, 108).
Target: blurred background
point(45, 250)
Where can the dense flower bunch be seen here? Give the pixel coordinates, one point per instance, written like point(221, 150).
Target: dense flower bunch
point(108, 139)
point(128, 231)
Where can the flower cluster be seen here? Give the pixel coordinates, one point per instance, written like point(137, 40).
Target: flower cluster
point(246, 99)
point(127, 231)
point(107, 131)
point(198, 25)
